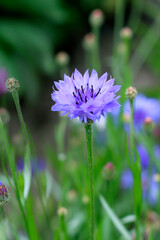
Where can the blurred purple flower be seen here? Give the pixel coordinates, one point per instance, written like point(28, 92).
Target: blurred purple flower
point(126, 179)
point(38, 165)
point(150, 186)
point(144, 156)
point(143, 107)
point(86, 97)
point(3, 78)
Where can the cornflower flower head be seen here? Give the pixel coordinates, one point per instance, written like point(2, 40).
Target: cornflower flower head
point(144, 107)
point(84, 96)
point(3, 78)
point(4, 196)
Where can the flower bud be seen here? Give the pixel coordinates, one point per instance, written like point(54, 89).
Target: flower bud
point(131, 93)
point(89, 41)
point(62, 211)
point(126, 33)
point(4, 196)
point(96, 18)
point(85, 199)
point(4, 115)
point(71, 196)
point(62, 58)
point(108, 171)
point(149, 124)
point(148, 121)
point(12, 85)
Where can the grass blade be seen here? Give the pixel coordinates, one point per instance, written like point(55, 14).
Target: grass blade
point(116, 221)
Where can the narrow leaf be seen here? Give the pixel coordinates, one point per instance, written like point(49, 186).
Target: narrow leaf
point(27, 172)
point(116, 221)
point(31, 221)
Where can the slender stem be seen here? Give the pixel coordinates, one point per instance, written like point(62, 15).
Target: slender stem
point(12, 166)
point(88, 129)
point(131, 131)
point(63, 228)
point(16, 101)
point(118, 19)
point(30, 143)
point(2, 213)
point(132, 146)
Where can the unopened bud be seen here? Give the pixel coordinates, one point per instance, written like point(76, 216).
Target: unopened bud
point(108, 171)
point(96, 18)
point(131, 93)
point(148, 121)
point(4, 115)
point(126, 33)
point(89, 41)
point(85, 199)
point(149, 124)
point(4, 196)
point(12, 85)
point(62, 58)
point(72, 195)
point(62, 211)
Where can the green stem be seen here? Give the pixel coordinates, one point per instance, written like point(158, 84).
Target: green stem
point(63, 228)
point(2, 214)
point(88, 129)
point(132, 147)
point(118, 19)
point(10, 154)
point(17, 104)
point(131, 131)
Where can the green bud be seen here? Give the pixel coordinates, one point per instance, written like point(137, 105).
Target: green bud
point(12, 85)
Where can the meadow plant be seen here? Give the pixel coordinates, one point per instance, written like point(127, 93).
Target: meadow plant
point(89, 98)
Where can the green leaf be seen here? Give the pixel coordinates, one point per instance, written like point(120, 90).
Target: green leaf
point(31, 222)
point(27, 172)
point(52, 187)
point(116, 221)
point(129, 219)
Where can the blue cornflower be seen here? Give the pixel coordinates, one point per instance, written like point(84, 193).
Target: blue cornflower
point(143, 107)
point(86, 97)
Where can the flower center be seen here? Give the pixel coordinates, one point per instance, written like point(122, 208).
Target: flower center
point(82, 95)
